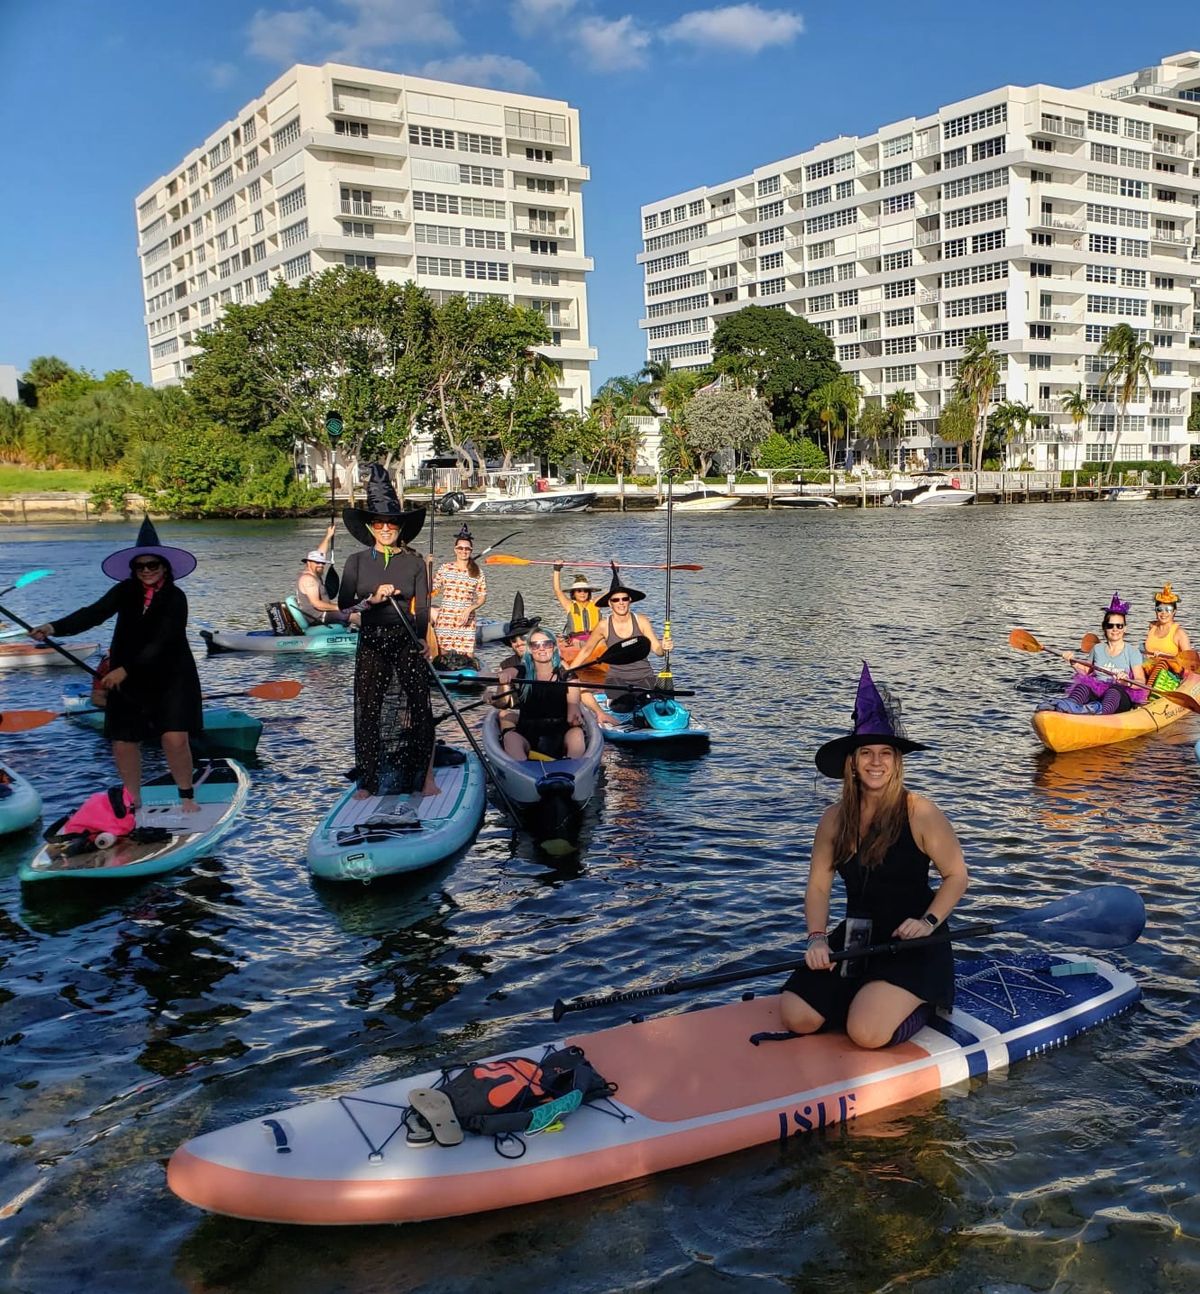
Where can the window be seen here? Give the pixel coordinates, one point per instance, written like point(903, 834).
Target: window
point(649, 222)
point(297, 267)
point(818, 305)
point(769, 236)
point(1039, 332)
point(1103, 215)
point(772, 261)
point(897, 260)
point(975, 183)
point(1038, 362)
point(818, 251)
point(1041, 177)
point(1135, 247)
point(987, 148)
point(1122, 186)
point(1106, 243)
point(292, 201)
point(1044, 145)
point(286, 135)
point(1133, 278)
point(843, 189)
point(548, 128)
point(899, 202)
point(439, 265)
point(848, 326)
point(224, 210)
point(491, 145)
point(900, 373)
point(358, 229)
point(987, 242)
point(1039, 270)
point(773, 184)
point(681, 350)
point(489, 238)
point(489, 176)
point(896, 174)
point(852, 351)
point(975, 274)
point(430, 137)
point(770, 210)
point(672, 239)
point(544, 247)
point(494, 270)
point(293, 234)
point(987, 304)
point(540, 184)
point(973, 121)
point(447, 235)
point(954, 157)
point(549, 279)
point(955, 337)
point(1043, 240)
point(818, 197)
point(903, 288)
point(681, 282)
point(259, 251)
point(829, 166)
point(821, 276)
point(696, 207)
point(847, 298)
point(1103, 121)
point(1103, 305)
point(1105, 153)
point(353, 129)
point(896, 147)
point(1136, 129)
point(1163, 283)
point(659, 309)
point(223, 240)
point(997, 209)
point(1101, 273)
point(899, 345)
point(223, 181)
point(831, 220)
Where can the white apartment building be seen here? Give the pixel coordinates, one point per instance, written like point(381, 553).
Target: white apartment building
point(467, 191)
point(1038, 216)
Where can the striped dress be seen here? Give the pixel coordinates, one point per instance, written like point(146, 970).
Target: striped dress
point(459, 591)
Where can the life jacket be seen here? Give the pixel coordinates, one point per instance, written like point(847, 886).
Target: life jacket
point(582, 618)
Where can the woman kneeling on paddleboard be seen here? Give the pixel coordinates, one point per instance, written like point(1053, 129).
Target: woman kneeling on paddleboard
point(393, 720)
point(880, 838)
point(549, 720)
point(152, 687)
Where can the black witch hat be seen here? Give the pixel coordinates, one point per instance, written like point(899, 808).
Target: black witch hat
point(117, 566)
point(618, 586)
point(520, 624)
point(464, 533)
point(382, 505)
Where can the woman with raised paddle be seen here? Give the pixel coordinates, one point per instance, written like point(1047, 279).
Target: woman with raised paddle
point(548, 721)
point(622, 624)
point(583, 615)
point(393, 719)
point(1167, 644)
point(881, 839)
point(1109, 679)
point(462, 587)
point(152, 687)
point(310, 587)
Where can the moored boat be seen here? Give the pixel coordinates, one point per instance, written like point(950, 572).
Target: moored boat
point(20, 803)
point(1124, 494)
point(931, 493)
point(1060, 731)
point(221, 788)
point(803, 501)
point(384, 835)
point(28, 655)
point(689, 1087)
point(699, 499)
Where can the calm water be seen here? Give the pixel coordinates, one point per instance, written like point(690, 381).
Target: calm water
point(132, 1020)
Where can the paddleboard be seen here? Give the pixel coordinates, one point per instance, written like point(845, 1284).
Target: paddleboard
point(690, 1087)
point(231, 731)
point(39, 656)
point(221, 790)
point(387, 834)
point(20, 804)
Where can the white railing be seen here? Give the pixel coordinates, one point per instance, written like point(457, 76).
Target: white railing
point(869, 334)
point(927, 296)
point(866, 251)
point(1061, 126)
point(1169, 236)
point(553, 228)
point(1051, 315)
point(363, 209)
point(932, 236)
point(1172, 150)
point(1060, 222)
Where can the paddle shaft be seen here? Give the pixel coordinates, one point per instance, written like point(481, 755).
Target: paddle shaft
point(671, 987)
point(62, 651)
point(551, 682)
point(1174, 697)
point(665, 672)
point(508, 560)
point(451, 708)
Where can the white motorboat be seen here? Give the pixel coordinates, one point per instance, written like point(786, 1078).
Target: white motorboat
point(1125, 494)
point(517, 491)
point(698, 499)
point(803, 501)
point(933, 492)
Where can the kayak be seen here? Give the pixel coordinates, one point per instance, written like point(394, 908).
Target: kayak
point(662, 723)
point(464, 681)
point(221, 790)
point(40, 656)
point(381, 836)
point(689, 1086)
point(529, 782)
point(1060, 732)
point(225, 731)
point(316, 638)
point(20, 804)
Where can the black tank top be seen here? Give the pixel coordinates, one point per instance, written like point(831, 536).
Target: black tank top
point(895, 889)
point(544, 707)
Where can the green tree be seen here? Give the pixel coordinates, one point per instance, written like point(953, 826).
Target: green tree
point(899, 404)
point(781, 452)
point(978, 377)
point(1077, 407)
point(785, 358)
point(834, 405)
point(1129, 367)
point(654, 374)
point(722, 420)
point(14, 422)
point(957, 424)
point(873, 425)
point(42, 375)
point(611, 440)
point(1012, 420)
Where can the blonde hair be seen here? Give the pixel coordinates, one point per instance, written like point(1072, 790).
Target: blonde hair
point(889, 821)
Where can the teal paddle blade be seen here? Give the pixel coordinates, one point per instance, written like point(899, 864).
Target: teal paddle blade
point(31, 577)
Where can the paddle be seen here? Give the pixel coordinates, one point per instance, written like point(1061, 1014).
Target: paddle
point(666, 682)
point(626, 652)
point(506, 559)
point(26, 720)
point(1023, 640)
point(62, 651)
point(451, 708)
point(30, 577)
point(1103, 916)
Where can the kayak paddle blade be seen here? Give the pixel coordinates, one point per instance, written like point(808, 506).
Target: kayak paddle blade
point(25, 720)
point(1104, 916)
point(283, 689)
point(31, 577)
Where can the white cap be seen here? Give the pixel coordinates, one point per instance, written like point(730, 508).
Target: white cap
point(317, 556)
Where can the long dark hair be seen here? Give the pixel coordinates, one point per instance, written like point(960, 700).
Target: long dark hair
point(889, 821)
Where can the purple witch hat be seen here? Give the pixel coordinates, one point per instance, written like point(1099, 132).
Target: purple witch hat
point(1116, 606)
point(875, 724)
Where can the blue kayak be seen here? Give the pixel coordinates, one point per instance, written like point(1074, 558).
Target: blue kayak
point(661, 723)
point(230, 732)
point(20, 804)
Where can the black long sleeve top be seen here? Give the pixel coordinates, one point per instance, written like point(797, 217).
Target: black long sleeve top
point(367, 569)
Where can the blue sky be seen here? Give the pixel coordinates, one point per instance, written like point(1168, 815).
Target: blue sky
point(97, 99)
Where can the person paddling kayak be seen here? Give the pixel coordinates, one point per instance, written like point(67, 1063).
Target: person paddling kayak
point(548, 720)
point(152, 686)
point(881, 839)
point(310, 591)
point(582, 613)
point(1166, 641)
point(1109, 679)
point(516, 636)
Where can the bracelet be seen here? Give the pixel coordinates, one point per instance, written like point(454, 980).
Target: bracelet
point(931, 920)
point(188, 794)
point(817, 934)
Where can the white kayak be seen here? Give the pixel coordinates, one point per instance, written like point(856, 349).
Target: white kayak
point(28, 655)
point(386, 834)
point(690, 1087)
point(533, 781)
point(20, 803)
point(221, 788)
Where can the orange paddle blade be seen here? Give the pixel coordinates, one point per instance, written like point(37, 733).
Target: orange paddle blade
point(24, 720)
point(1181, 698)
point(506, 559)
point(1023, 640)
point(1186, 660)
point(283, 689)
point(1087, 642)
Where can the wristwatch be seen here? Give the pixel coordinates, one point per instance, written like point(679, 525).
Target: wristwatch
point(930, 920)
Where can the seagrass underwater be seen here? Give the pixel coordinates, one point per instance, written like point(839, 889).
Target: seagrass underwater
point(236, 988)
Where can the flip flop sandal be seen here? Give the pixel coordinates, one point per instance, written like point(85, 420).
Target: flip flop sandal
point(418, 1133)
point(435, 1108)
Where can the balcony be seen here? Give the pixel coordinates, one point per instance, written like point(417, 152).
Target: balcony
point(724, 285)
point(748, 254)
point(548, 228)
point(868, 251)
point(869, 334)
point(376, 210)
point(1061, 126)
point(925, 237)
point(1171, 236)
point(1172, 150)
point(928, 208)
point(928, 296)
point(1059, 222)
point(1052, 314)
point(1166, 410)
point(348, 107)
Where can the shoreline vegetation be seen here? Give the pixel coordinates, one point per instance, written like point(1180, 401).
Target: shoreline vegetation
point(470, 380)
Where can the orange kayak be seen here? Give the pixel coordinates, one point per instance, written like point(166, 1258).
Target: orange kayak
point(569, 651)
point(1059, 731)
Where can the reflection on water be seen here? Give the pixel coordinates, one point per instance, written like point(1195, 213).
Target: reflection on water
point(133, 1017)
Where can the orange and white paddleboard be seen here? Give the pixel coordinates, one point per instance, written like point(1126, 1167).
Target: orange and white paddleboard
point(690, 1087)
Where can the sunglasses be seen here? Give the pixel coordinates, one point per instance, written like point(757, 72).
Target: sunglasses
point(541, 645)
point(147, 566)
point(1163, 606)
point(613, 601)
point(1113, 625)
point(384, 525)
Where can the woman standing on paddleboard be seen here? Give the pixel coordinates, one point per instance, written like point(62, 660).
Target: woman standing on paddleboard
point(393, 720)
point(462, 587)
point(622, 623)
point(152, 687)
point(880, 838)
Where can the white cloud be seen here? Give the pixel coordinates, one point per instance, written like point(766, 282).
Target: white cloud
point(495, 70)
point(613, 46)
point(747, 28)
point(363, 29)
point(532, 17)
point(221, 75)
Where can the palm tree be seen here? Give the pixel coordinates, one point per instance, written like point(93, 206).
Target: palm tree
point(1078, 408)
point(835, 405)
point(1013, 419)
point(653, 374)
point(872, 423)
point(896, 409)
point(1128, 367)
point(978, 377)
point(956, 423)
